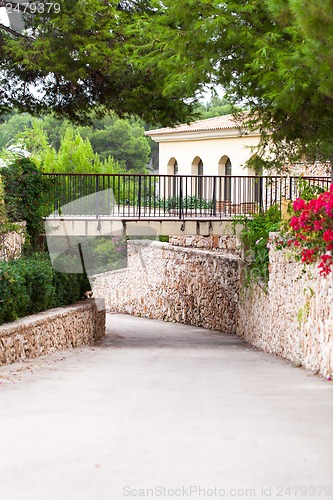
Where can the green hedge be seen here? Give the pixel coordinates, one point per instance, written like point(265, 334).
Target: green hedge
point(30, 285)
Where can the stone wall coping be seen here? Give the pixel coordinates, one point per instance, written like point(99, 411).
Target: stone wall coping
point(114, 271)
point(39, 318)
point(188, 250)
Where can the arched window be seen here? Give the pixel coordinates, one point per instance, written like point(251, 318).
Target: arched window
point(200, 180)
point(172, 182)
point(256, 171)
point(227, 184)
point(176, 179)
point(175, 168)
point(200, 167)
point(227, 167)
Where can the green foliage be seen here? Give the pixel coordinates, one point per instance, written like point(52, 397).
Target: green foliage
point(164, 239)
point(29, 285)
point(104, 253)
point(75, 154)
point(12, 125)
point(79, 58)
point(255, 237)
point(3, 213)
point(153, 59)
point(272, 56)
point(109, 145)
point(69, 288)
point(123, 140)
point(187, 203)
point(308, 191)
point(217, 106)
point(6, 226)
point(28, 196)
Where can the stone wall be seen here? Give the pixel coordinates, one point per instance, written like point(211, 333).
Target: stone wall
point(71, 326)
point(227, 243)
point(197, 287)
point(306, 169)
point(11, 243)
point(293, 317)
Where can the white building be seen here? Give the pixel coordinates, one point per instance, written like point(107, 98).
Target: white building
point(215, 146)
point(211, 147)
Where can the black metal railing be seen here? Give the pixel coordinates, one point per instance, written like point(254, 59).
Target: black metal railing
point(174, 196)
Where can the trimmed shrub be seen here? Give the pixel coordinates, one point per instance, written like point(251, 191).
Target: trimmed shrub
point(30, 285)
point(69, 288)
point(14, 299)
point(28, 196)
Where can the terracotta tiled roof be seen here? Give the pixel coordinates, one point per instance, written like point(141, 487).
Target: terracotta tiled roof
point(217, 123)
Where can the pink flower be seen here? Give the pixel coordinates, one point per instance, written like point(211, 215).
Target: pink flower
point(328, 235)
point(305, 220)
point(308, 255)
point(325, 264)
point(294, 223)
point(312, 230)
point(299, 204)
point(318, 225)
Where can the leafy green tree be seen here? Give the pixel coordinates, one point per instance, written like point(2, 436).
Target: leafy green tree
point(28, 196)
point(11, 126)
point(217, 106)
point(123, 140)
point(75, 154)
point(53, 126)
point(35, 141)
point(269, 55)
point(78, 55)
point(154, 58)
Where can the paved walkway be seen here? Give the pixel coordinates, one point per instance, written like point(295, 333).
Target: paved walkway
point(160, 410)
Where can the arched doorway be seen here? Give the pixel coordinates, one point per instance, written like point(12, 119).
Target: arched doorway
point(173, 180)
point(225, 182)
point(197, 170)
point(255, 170)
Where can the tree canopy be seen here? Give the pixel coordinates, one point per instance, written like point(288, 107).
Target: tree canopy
point(108, 145)
point(153, 58)
point(217, 106)
point(272, 56)
point(78, 57)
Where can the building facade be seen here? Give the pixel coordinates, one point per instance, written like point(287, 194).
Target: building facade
point(215, 146)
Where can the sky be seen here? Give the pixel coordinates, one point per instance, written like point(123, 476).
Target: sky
point(4, 19)
point(12, 19)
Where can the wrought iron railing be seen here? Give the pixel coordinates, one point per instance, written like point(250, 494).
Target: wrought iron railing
point(174, 196)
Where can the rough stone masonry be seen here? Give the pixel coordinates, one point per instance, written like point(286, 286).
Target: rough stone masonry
point(185, 285)
point(291, 317)
point(71, 326)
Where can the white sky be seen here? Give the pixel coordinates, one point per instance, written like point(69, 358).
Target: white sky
point(4, 19)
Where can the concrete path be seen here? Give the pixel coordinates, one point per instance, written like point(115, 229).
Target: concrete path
point(160, 410)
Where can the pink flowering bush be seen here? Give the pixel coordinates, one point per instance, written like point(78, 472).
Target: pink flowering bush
point(311, 230)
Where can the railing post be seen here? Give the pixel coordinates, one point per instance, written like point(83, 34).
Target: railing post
point(214, 196)
point(139, 198)
point(261, 198)
point(181, 196)
point(97, 196)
